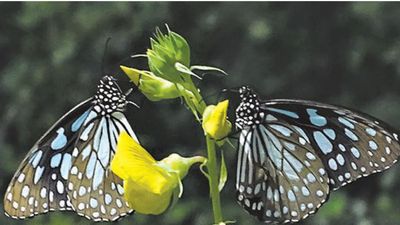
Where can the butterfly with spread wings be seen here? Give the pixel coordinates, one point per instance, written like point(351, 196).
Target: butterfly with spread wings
point(68, 167)
point(293, 153)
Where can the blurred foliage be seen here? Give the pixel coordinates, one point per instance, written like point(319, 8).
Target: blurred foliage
point(340, 53)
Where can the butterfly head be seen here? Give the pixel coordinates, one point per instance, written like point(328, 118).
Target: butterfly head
point(247, 113)
point(109, 97)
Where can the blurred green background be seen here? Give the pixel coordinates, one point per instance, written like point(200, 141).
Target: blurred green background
point(340, 53)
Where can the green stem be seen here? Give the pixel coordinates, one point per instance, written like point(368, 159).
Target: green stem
point(213, 180)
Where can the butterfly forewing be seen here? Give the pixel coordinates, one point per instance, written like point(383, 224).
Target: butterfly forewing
point(38, 185)
point(293, 152)
point(350, 144)
point(68, 168)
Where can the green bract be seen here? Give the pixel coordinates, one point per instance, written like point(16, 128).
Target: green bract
point(167, 51)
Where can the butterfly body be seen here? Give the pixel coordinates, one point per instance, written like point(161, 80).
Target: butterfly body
point(68, 167)
point(293, 153)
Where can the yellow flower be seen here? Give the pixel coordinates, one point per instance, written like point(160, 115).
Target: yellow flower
point(149, 184)
point(215, 122)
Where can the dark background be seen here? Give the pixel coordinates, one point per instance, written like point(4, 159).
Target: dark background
point(339, 53)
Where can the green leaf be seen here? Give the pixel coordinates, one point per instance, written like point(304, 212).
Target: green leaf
point(223, 177)
point(207, 68)
point(182, 68)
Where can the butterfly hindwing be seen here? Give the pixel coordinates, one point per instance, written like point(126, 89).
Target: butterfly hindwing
point(94, 190)
point(279, 186)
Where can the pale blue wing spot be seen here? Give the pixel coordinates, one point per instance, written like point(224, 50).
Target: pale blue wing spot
point(346, 122)
point(330, 133)
point(78, 122)
point(90, 166)
point(66, 165)
point(316, 119)
point(332, 164)
point(274, 147)
point(323, 143)
point(38, 174)
point(281, 129)
point(373, 145)
point(103, 153)
point(36, 158)
point(284, 112)
point(350, 134)
point(60, 141)
point(355, 152)
point(370, 131)
point(340, 159)
point(86, 152)
point(289, 171)
point(293, 161)
point(98, 176)
point(55, 160)
point(291, 196)
point(107, 199)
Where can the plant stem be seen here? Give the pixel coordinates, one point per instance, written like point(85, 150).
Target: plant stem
point(213, 180)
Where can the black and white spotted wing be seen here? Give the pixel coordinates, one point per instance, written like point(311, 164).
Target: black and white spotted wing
point(292, 153)
point(68, 167)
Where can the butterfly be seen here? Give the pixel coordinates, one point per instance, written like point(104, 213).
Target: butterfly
point(68, 167)
point(293, 153)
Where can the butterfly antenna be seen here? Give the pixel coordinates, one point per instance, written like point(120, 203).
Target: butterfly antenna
point(128, 92)
point(103, 59)
point(134, 104)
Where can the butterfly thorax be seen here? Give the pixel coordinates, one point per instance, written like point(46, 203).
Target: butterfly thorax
point(248, 111)
point(109, 97)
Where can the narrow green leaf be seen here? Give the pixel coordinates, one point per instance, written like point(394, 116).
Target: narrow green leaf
point(182, 68)
point(223, 173)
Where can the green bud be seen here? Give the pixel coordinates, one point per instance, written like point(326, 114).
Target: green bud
point(168, 50)
point(153, 87)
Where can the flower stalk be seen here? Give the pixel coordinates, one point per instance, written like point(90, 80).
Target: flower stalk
point(212, 169)
point(170, 77)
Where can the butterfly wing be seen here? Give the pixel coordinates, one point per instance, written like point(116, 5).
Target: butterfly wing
point(301, 150)
point(37, 186)
point(94, 191)
point(274, 183)
point(68, 169)
point(351, 144)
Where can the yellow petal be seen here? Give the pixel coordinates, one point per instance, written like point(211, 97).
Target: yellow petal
point(133, 162)
point(145, 202)
point(148, 187)
point(148, 184)
point(129, 154)
point(215, 122)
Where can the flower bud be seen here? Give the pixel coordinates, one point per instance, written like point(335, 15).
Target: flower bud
point(153, 87)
